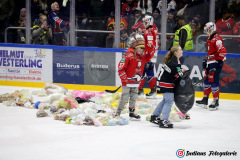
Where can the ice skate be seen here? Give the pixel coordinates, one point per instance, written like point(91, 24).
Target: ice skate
point(214, 105)
point(152, 94)
point(140, 93)
point(165, 124)
point(154, 119)
point(133, 116)
point(203, 103)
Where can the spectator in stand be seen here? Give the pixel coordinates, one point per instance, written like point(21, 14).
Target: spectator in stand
point(225, 27)
point(22, 23)
point(6, 12)
point(145, 6)
point(37, 7)
point(60, 28)
point(110, 40)
point(195, 25)
point(128, 7)
point(157, 18)
point(133, 21)
point(171, 4)
point(111, 16)
point(111, 27)
point(42, 33)
point(123, 38)
point(183, 36)
point(171, 27)
point(236, 42)
point(84, 38)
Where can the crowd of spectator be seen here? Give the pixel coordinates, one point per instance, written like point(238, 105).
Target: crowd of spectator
point(50, 20)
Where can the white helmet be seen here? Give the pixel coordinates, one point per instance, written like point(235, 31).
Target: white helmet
point(209, 28)
point(134, 38)
point(148, 21)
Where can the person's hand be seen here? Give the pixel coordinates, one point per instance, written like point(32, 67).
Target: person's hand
point(184, 70)
point(137, 77)
point(42, 26)
point(22, 39)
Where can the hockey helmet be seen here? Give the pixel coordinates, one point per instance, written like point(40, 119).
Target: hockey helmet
point(136, 37)
point(148, 21)
point(210, 28)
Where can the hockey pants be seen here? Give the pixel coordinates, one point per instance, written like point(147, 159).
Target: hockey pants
point(148, 69)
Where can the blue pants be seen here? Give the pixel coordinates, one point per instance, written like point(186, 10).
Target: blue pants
point(165, 106)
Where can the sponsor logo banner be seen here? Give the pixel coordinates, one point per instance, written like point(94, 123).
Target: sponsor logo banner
point(26, 64)
point(68, 66)
point(99, 68)
point(229, 77)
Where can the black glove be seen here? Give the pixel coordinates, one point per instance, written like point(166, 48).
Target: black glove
point(204, 64)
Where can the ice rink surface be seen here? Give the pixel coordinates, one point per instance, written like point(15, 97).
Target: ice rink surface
point(23, 136)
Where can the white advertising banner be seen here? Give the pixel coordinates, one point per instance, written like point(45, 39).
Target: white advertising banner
point(117, 60)
point(26, 64)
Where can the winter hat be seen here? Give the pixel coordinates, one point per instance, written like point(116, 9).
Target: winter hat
point(172, 11)
point(122, 31)
point(23, 9)
point(195, 20)
point(156, 9)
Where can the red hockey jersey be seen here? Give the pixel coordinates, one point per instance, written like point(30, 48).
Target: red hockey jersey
point(151, 37)
point(216, 49)
point(140, 25)
point(225, 27)
point(126, 9)
point(130, 69)
point(236, 30)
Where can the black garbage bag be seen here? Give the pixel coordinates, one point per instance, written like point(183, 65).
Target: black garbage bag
point(80, 100)
point(184, 94)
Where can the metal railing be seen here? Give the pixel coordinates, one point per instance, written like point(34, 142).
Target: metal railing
point(92, 31)
point(101, 31)
point(223, 36)
point(77, 30)
point(6, 30)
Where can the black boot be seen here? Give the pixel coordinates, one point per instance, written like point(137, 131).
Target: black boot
point(140, 92)
point(214, 106)
point(155, 119)
point(151, 94)
point(165, 124)
point(203, 102)
point(133, 116)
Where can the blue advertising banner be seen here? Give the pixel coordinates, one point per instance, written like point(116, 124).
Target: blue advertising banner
point(68, 66)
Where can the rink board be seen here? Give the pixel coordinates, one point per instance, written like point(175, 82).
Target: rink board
point(92, 68)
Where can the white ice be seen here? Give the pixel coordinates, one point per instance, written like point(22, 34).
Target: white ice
point(23, 136)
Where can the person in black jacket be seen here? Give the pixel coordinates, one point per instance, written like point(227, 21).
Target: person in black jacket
point(170, 73)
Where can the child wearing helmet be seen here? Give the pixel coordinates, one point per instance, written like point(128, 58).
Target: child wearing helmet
point(130, 71)
point(212, 65)
point(151, 37)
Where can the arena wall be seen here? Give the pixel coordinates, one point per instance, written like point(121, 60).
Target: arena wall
point(92, 68)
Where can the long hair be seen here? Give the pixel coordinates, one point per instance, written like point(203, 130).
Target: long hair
point(170, 53)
